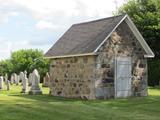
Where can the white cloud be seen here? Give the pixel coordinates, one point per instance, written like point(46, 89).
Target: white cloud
point(63, 11)
point(4, 15)
point(45, 25)
point(55, 15)
point(6, 10)
point(4, 48)
point(10, 46)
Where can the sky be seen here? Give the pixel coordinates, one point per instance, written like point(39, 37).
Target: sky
point(38, 24)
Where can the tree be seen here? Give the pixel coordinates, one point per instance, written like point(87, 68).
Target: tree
point(6, 67)
point(25, 60)
point(146, 16)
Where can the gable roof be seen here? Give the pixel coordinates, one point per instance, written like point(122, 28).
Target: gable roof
point(86, 38)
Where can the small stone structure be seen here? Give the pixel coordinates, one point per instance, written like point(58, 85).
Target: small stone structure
point(100, 59)
point(35, 88)
point(46, 80)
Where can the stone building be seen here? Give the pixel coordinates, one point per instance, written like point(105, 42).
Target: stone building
point(100, 59)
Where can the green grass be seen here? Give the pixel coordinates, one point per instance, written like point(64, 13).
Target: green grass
point(17, 106)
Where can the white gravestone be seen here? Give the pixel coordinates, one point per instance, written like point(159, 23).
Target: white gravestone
point(12, 79)
point(1, 82)
point(24, 81)
point(8, 85)
point(46, 80)
point(17, 80)
point(30, 79)
point(6, 78)
point(35, 88)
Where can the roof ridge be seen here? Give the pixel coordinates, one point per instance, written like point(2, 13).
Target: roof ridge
point(97, 20)
point(76, 39)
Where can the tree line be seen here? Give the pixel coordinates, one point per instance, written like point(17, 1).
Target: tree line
point(146, 16)
point(22, 60)
point(144, 13)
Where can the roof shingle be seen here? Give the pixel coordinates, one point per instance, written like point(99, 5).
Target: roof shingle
point(84, 38)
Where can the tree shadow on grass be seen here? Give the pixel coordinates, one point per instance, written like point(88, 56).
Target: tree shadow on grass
point(121, 102)
point(46, 98)
point(117, 102)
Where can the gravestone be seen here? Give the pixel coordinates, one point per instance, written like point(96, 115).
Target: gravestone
point(12, 79)
point(23, 77)
point(17, 80)
point(30, 79)
point(46, 80)
point(35, 88)
point(6, 78)
point(1, 82)
point(8, 84)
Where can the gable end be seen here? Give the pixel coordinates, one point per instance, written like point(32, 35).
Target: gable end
point(149, 53)
point(126, 18)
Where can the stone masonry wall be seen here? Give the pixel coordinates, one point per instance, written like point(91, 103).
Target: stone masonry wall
point(121, 43)
point(91, 77)
point(73, 77)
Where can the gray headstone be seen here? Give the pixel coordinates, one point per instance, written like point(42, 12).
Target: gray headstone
point(30, 79)
point(17, 80)
point(12, 79)
point(6, 78)
point(8, 85)
point(1, 82)
point(46, 80)
point(35, 88)
point(24, 82)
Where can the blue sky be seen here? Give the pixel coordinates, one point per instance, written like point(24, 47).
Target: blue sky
point(39, 23)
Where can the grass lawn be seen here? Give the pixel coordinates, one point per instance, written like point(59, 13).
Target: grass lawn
point(17, 106)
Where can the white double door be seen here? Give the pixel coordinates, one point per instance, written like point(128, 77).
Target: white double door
point(122, 77)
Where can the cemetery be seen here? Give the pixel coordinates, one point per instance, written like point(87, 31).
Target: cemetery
point(106, 66)
point(18, 106)
point(82, 86)
point(22, 96)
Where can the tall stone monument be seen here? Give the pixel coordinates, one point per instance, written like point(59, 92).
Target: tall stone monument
point(1, 82)
point(12, 79)
point(23, 77)
point(6, 78)
point(8, 84)
point(17, 80)
point(35, 88)
point(46, 80)
point(30, 79)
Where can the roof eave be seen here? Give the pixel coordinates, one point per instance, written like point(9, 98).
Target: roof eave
point(110, 33)
point(66, 56)
point(149, 52)
point(137, 34)
point(149, 56)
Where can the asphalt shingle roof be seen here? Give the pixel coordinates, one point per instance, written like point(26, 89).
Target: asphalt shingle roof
point(84, 37)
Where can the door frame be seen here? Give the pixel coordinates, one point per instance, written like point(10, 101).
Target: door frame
point(115, 72)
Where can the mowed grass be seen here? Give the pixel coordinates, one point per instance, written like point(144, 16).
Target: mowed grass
point(17, 106)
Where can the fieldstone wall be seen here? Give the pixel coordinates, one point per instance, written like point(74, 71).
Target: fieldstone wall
point(122, 43)
point(91, 77)
point(73, 77)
